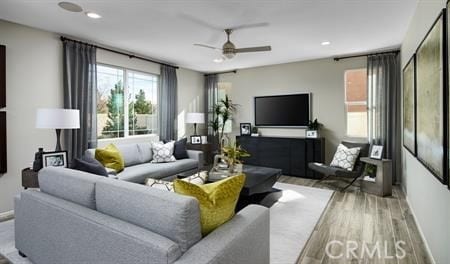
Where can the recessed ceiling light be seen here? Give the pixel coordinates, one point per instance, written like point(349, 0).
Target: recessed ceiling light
point(93, 15)
point(71, 7)
point(325, 43)
point(218, 60)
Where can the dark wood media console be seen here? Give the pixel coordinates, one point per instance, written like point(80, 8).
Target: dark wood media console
point(291, 155)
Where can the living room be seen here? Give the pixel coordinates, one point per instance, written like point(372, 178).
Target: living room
point(269, 113)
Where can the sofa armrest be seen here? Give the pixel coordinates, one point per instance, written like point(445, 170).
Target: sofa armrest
point(196, 155)
point(243, 239)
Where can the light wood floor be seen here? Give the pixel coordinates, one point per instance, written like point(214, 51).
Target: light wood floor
point(363, 218)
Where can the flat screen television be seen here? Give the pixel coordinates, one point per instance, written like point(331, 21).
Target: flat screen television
point(283, 110)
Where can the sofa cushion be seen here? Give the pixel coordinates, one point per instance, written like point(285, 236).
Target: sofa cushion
point(168, 214)
point(110, 157)
point(88, 164)
point(217, 200)
point(130, 154)
point(138, 173)
point(145, 151)
point(71, 185)
point(163, 152)
point(180, 150)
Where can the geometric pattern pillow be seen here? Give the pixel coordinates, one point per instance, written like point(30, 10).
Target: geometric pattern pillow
point(345, 158)
point(197, 179)
point(163, 152)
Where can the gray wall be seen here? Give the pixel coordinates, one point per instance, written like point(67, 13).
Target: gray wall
point(428, 198)
point(323, 78)
point(34, 80)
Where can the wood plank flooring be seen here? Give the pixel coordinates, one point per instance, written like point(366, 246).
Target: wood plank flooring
point(362, 221)
point(362, 218)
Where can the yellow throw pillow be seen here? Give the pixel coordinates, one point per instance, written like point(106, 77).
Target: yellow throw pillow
point(217, 200)
point(110, 157)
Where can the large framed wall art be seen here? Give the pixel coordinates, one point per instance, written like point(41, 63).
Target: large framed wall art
point(2, 105)
point(431, 105)
point(409, 105)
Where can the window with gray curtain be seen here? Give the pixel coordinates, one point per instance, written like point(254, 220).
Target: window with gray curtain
point(167, 103)
point(80, 80)
point(384, 107)
point(211, 98)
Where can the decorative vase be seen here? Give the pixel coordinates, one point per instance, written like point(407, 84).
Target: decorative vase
point(238, 167)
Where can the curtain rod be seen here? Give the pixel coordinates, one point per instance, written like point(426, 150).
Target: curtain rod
point(131, 56)
point(366, 54)
point(233, 71)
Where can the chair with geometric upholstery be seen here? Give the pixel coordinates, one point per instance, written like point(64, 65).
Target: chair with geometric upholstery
point(357, 171)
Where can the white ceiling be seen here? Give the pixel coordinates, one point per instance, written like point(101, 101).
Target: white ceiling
point(166, 29)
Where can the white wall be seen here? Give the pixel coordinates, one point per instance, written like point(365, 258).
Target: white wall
point(428, 198)
point(323, 78)
point(34, 80)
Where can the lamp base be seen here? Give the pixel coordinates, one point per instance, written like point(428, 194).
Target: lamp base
point(58, 140)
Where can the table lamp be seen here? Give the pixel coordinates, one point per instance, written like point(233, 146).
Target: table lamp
point(57, 118)
point(195, 118)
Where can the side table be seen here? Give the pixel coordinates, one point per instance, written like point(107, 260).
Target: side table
point(383, 180)
point(207, 151)
point(29, 178)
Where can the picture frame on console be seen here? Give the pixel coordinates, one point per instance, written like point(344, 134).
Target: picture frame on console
point(246, 129)
point(376, 152)
point(54, 159)
point(196, 140)
point(431, 102)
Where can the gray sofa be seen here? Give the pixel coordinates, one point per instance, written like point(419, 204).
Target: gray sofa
point(138, 166)
point(78, 217)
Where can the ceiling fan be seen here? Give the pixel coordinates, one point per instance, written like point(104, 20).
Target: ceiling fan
point(229, 50)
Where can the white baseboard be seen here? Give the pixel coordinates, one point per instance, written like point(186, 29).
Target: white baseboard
point(6, 215)
point(420, 231)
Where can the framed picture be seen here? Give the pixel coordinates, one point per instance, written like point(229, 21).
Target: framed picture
point(431, 101)
point(3, 142)
point(409, 106)
point(2, 76)
point(246, 129)
point(196, 140)
point(376, 152)
point(312, 134)
point(54, 159)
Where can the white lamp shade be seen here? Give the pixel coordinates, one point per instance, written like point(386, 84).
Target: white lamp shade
point(195, 118)
point(56, 118)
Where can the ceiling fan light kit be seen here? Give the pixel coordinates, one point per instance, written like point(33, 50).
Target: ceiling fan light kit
point(229, 50)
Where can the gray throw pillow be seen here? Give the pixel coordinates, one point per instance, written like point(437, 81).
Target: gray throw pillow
point(88, 164)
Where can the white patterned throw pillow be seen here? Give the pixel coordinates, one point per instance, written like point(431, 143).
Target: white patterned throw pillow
point(198, 179)
point(163, 152)
point(345, 158)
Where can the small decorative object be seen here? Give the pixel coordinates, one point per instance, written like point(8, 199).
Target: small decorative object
point(220, 168)
point(196, 140)
point(37, 164)
point(313, 129)
point(54, 159)
point(376, 152)
point(246, 129)
point(370, 170)
point(255, 132)
point(234, 154)
point(204, 140)
point(58, 119)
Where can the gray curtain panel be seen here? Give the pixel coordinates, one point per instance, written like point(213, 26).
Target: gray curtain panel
point(384, 107)
point(211, 98)
point(80, 90)
point(167, 103)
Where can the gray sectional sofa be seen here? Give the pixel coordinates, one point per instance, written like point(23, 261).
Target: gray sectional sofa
point(78, 217)
point(138, 166)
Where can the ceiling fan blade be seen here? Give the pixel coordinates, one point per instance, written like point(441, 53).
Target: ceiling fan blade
point(254, 49)
point(206, 46)
point(254, 25)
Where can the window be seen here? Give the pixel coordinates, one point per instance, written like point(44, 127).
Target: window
point(121, 91)
point(356, 102)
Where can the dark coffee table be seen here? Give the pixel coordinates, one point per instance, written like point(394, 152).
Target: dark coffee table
point(259, 179)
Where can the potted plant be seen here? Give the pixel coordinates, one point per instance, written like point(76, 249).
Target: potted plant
point(223, 113)
point(234, 154)
point(313, 129)
point(255, 132)
point(371, 171)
